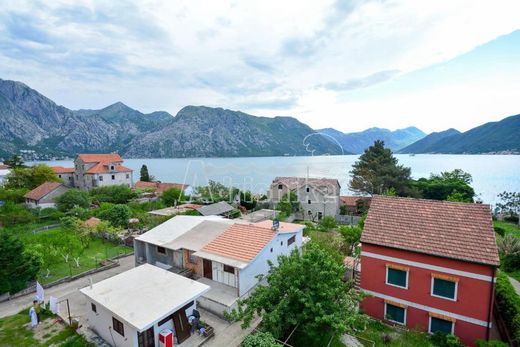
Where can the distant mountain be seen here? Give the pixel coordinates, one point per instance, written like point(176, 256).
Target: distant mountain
point(30, 121)
point(425, 144)
point(359, 141)
point(199, 131)
point(493, 137)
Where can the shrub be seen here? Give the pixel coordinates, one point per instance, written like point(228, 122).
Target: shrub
point(508, 302)
point(490, 343)
point(511, 219)
point(446, 340)
point(327, 223)
point(499, 230)
point(117, 215)
point(260, 340)
point(72, 198)
point(114, 194)
point(173, 196)
point(13, 214)
point(14, 195)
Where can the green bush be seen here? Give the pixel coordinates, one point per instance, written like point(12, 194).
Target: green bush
point(114, 194)
point(446, 340)
point(511, 262)
point(14, 195)
point(508, 302)
point(72, 198)
point(490, 343)
point(260, 340)
point(499, 230)
point(511, 219)
point(117, 215)
point(327, 223)
point(14, 214)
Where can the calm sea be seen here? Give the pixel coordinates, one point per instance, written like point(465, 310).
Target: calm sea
point(492, 174)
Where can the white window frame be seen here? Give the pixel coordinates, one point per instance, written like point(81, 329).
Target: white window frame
point(430, 325)
point(443, 297)
point(393, 321)
point(395, 285)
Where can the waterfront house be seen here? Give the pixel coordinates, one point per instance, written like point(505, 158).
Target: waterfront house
point(134, 307)
point(430, 265)
point(45, 195)
point(225, 254)
point(318, 197)
point(101, 170)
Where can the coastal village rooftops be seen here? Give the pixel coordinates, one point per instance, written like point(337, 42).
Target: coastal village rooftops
point(296, 182)
point(62, 170)
point(238, 245)
point(461, 231)
point(42, 190)
point(200, 235)
point(352, 200)
point(173, 228)
point(101, 158)
point(145, 294)
point(283, 228)
point(105, 167)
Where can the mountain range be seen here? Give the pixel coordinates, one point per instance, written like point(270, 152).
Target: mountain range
point(29, 121)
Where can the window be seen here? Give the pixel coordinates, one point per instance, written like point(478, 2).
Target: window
point(59, 176)
point(191, 258)
point(161, 250)
point(70, 178)
point(394, 313)
point(444, 288)
point(308, 189)
point(93, 307)
point(280, 186)
point(271, 250)
point(229, 269)
point(146, 338)
point(442, 325)
point(118, 327)
point(113, 177)
point(101, 178)
point(309, 202)
point(112, 167)
point(291, 240)
point(127, 176)
point(397, 276)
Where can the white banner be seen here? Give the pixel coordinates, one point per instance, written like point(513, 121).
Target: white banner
point(53, 305)
point(40, 293)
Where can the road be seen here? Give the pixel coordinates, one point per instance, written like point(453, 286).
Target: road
point(66, 289)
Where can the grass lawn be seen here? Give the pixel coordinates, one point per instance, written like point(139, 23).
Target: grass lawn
point(383, 336)
point(510, 228)
point(15, 331)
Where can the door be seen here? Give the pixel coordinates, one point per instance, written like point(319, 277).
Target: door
point(182, 327)
point(177, 259)
point(208, 269)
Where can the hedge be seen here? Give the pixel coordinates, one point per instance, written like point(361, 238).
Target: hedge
point(508, 302)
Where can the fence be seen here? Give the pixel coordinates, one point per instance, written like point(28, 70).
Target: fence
point(344, 219)
point(45, 228)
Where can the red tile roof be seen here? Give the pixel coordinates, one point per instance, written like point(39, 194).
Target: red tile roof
point(351, 200)
point(42, 190)
point(297, 182)
point(101, 158)
point(62, 170)
point(104, 168)
point(92, 222)
point(284, 226)
point(4, 167)
point(240, 241)
point(448, 229)
point(159, 186)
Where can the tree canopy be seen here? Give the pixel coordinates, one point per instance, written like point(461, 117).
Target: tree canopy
point(377, 171)
point(15, 162)
point(450, 185)
point(30, 177)
point(288, 203)
point(71, 199)
point(173, 196)
point(17, 267)
point(145, 176)
point(119, 194)
point(509, 203)
point(117, 215)
point(305, 290)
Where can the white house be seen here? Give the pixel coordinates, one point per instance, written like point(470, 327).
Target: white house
point(101, 170)
point(66, 174)
point(225, 254)
point(44, 195)
point(134, 307)
point(4, 171)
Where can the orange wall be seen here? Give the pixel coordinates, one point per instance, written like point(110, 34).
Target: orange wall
point(197, 268)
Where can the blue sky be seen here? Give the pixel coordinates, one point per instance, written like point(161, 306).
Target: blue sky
point(343, 64)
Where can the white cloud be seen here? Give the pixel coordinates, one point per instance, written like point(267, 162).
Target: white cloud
point(264, 57)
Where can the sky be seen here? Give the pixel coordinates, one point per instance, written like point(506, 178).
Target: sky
point(344, 64)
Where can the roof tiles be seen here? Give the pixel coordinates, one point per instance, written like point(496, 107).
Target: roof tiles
point(459, 231)
point(42, 190)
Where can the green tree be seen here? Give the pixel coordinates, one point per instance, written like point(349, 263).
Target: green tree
point(288, 204)
point(79, 228)
point(17, 267)
point(351, 235)
point(15, 214)
point(509, 203)
point(117, 215)
point(451, 185)
point(173, 196)
point(216, 191)
point(15, 162)
point(377, 171)
point(73, 198)
point(327, 223)
point(15, 195)
point(305, 290)
point(247, 200)
point(145, 176)
point(30, 177)
point(260, 339)
point(119, 194)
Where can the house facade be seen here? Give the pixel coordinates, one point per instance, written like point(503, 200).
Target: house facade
point(66, 174)
point(44, 196)
point(4, 171)
point(318, 197)
point(101, 170)
point(430, 265)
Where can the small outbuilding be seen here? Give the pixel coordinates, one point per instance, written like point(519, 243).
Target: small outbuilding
point(45, 195)
point(136, 306)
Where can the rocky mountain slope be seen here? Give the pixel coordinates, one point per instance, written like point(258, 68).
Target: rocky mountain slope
point(357, 142)
point(492, 137)
point(425, 144)
point(30, 121)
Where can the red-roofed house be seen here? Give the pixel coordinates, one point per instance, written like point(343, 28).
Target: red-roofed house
point(160, 187)
point(431, 265)
point(101, 170)
point(44, 195)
